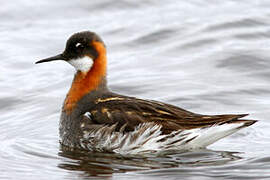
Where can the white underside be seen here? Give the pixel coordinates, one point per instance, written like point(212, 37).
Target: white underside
point(82, 64)
point(147, 138)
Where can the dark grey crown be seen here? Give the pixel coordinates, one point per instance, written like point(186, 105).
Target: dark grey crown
point(80, 44)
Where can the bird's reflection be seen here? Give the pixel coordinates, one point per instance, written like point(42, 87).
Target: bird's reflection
point(105, 164)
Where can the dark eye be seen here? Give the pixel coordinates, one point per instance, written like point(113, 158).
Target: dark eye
point(79, 46)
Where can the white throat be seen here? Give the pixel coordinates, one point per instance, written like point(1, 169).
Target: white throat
point(83, 64)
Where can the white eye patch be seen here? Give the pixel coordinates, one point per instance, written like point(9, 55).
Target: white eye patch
point(82, 64)
point(78, 44)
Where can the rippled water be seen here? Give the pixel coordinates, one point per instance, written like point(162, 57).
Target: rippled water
point(206, 56)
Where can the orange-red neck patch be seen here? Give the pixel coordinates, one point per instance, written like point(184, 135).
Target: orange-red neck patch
point(84, 83)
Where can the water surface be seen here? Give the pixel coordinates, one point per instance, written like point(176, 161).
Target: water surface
point(210, 57)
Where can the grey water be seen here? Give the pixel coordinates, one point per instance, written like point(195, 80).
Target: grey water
point(210, 57)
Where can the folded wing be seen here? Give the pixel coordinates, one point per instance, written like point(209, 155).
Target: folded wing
point(128, 112)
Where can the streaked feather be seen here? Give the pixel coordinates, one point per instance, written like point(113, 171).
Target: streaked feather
point(148, 138)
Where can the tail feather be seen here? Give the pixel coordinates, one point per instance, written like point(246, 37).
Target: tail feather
point(214, 133)
point(246, 122)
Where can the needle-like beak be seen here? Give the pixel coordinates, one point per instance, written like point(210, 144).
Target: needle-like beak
point(54, 58)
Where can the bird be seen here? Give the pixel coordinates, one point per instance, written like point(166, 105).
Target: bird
point(94, 118)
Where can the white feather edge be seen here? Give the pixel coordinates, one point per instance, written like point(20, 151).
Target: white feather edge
point(147, 138)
